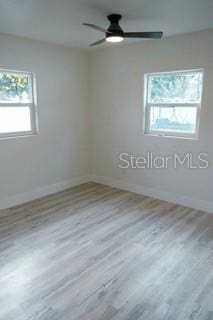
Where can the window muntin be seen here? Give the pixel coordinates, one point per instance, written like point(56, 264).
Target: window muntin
point(17, 104)
point(172, 103)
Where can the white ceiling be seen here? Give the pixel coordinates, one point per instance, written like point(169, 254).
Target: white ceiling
point(59, 21)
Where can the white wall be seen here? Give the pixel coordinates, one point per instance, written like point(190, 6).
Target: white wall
point(90, 109)
point(60, 151)
point(117, 115)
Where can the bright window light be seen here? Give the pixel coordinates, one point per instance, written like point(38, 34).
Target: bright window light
point(17, 104)
point(173, 102)
point(14, 119)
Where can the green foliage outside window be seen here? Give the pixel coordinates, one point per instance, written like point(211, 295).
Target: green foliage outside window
point(14, 87)
point(176, 88)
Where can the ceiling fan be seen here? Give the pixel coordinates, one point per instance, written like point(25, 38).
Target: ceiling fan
point(115, 34)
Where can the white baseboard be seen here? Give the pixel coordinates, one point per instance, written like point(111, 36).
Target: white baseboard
point(156, 193)
point(41, 192)
point(116, 183)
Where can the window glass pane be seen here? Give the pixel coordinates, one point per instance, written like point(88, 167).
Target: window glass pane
point(175, 87)
point(173, 119)
point(14, 87)
point(14, 119)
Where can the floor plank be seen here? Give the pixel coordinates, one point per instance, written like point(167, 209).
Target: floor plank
point(99, 253)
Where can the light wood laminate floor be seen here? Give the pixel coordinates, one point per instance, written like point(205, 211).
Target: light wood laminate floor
point(98, 253)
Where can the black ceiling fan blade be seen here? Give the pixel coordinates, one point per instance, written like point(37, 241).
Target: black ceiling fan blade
point(97, 42)
point(93, 26)
point(147, 35)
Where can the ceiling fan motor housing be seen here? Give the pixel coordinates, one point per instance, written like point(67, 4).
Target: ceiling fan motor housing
point(115, 34)
point(114, 24)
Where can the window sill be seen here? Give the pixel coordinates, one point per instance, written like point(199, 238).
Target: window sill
point(162, 135)
point(17, 135)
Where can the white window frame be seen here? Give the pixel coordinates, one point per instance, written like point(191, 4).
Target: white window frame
point(147, 107)
point(32, 106)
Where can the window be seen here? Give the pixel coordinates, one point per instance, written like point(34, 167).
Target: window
point(173, 102)
point(17, 104)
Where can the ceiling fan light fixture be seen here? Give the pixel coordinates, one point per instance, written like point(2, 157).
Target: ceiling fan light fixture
point(114, 39)
point(115, 33)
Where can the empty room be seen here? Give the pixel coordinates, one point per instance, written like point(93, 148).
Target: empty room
point(106, 160)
